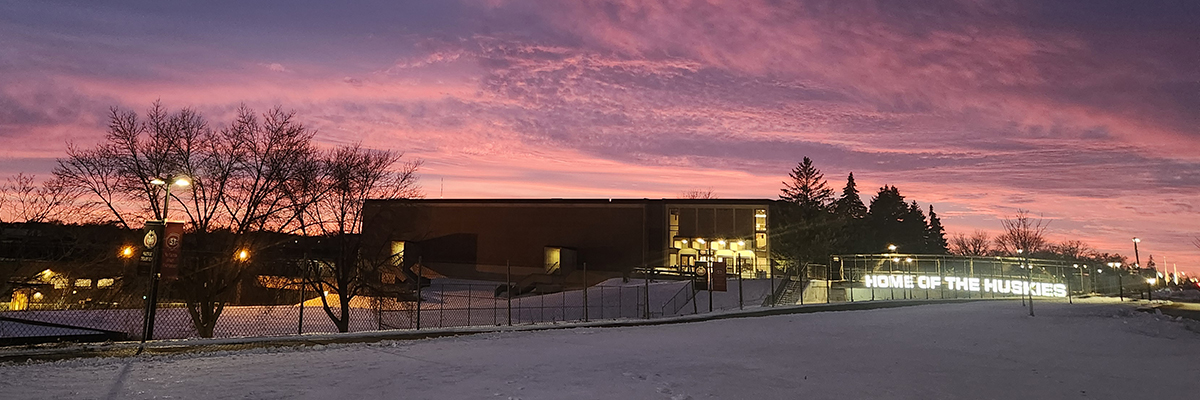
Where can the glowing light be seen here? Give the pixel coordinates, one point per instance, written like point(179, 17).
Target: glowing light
point(701, 241)
point(243, 255)
point(157, 181)
point(182, 182)
point(38, 296)
point(1136, 240)
point(892, 247)
point(127, 252)
point(908, 259)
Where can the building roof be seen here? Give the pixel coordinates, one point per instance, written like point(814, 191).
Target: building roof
point(580, 201)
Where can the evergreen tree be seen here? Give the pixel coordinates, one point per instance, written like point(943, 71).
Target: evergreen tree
point(935, 235)
point(911, 237)
point(807, 189)
point(884, 215)
point(850, 213)
point(850, 206)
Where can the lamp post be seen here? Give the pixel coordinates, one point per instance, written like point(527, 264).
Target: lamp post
point(1028, 278)
point(1137, 261)
point(892, 291)
point(152, 297)
point(1149, 288)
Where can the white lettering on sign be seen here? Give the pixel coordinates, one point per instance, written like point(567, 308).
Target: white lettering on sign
point(896, 281)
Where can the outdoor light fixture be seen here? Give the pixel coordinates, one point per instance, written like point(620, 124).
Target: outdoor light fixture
point(701, 241)
point(909, 259)
point(243, 255)
point(892, 248)
point(897, 259)
point(127, 252)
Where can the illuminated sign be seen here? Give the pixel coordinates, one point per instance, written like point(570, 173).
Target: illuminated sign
point(985, 285)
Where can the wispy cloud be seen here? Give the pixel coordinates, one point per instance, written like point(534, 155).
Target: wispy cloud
point(1084, 112)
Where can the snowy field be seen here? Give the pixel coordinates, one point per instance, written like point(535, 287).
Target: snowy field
point(977, 350)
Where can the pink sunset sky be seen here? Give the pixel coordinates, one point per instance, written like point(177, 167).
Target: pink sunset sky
point(1086, 113)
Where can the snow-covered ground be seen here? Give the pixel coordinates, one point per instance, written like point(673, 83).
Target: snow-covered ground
point(976, 350)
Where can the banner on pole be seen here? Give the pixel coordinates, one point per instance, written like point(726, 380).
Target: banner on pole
point(718, 276)
point(151, 238)
point(171, 250)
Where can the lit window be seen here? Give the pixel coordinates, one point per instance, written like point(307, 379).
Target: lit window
point(83, 283)
point(760, 220)
point(105, 282)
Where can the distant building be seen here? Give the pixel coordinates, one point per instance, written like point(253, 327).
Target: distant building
point(548, 241)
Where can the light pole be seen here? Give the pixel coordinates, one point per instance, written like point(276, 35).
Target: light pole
point(156, 264)
point(1137, 261)
point(1028, 278)
point(891, 290)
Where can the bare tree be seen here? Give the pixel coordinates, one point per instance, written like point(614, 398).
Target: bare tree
point(352, 175)
point(978, 244)
point(1022, 232)
point(243, 179)
point(1073, 250)
point(706, 193)
point(34, 202)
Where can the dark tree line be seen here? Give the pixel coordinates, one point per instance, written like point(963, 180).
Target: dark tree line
point(813, 224)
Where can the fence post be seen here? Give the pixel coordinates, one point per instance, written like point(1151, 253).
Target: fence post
point(647, 292)
point(420, 271)
point(508, 290)
point(585, 293)
point(738, 261)
point(303, 295)
point(469, 296)
point(770, 277)
point(828, 283)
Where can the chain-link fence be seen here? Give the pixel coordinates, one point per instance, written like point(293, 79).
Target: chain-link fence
point(870, 277)
point(116, 310)
point(443, 304)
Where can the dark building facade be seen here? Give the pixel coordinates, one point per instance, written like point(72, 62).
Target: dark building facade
point(548, 241)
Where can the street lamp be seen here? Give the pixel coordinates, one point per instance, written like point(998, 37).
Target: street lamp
point(180, 181)
point(892, 248)
point(152, 297)
point(1136, 259)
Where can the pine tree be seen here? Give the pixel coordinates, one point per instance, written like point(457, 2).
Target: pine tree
point(912, 230)
point(935, 235)
point(808, 189)
point(850, 206)
point(884, 214)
